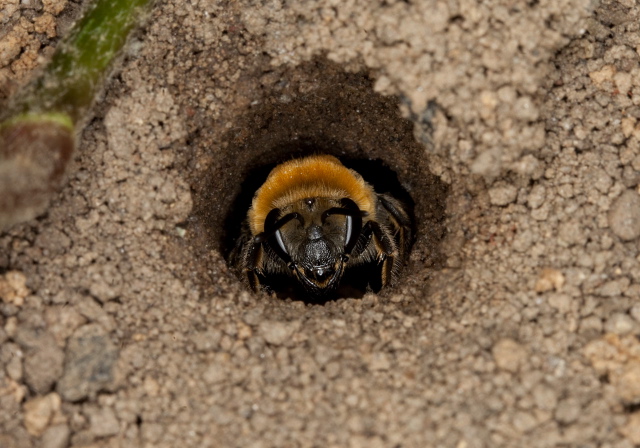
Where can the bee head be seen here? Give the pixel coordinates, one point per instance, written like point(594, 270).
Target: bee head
point(315, 241)
point(320, 261)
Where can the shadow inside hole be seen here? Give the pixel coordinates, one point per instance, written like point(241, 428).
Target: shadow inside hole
point(357, 280)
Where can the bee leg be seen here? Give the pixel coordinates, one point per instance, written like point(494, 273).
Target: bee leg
point(396, 209)
point(385, 247)
point(387, 252)
point(400, 221)
point(253, 261)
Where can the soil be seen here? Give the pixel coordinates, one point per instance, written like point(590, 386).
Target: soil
point(512, 127)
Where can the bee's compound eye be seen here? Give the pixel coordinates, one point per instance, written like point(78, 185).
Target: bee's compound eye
point(349, 232)
point(281, 242)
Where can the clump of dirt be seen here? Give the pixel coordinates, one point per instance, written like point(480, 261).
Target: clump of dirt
point(28, 35)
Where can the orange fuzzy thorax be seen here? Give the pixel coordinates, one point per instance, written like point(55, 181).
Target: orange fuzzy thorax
point(320, 176)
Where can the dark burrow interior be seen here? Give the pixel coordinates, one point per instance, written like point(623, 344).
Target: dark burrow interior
point(317, 107)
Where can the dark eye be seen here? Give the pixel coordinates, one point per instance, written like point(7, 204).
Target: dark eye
point(280, 242)
point(272, 227)
point(349, 231)
point(353, 217)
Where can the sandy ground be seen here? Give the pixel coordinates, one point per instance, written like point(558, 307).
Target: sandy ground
point(512, 125)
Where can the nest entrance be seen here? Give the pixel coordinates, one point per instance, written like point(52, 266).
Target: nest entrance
point(319, 108)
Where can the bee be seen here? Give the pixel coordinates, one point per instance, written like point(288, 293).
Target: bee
point(312, 220)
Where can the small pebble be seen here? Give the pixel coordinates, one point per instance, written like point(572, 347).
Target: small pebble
point(13, 288)
point(44, 365)
point(624, 216)
point(379, 361)
point(619, 323)
point(561, 302)
point(90, 359)
point(631, 430)
point(545, 397)
point(549, 279)
point(503, 194)
point(524, 421)
point(568, 410)
point(627, 383)
point(604, 74)
point(214, 374)
point(38, 412)
point(614, 288)
point(537, 196)
point(104, 423)
point(277, 333)
point(635, 312)
point(56, 436)
point(509, 355)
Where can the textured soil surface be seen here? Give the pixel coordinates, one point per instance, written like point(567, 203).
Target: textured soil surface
point(515, 128)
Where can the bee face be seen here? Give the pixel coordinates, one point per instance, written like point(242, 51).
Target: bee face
point(312, 220)
point(315, 242)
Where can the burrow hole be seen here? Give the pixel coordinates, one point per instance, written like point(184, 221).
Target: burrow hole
point(320, 108)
